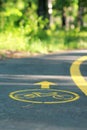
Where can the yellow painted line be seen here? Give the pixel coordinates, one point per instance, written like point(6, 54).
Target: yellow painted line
point(45, 84)
point(77, 76)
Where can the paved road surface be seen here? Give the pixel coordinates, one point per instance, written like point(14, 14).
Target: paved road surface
point(46, 92)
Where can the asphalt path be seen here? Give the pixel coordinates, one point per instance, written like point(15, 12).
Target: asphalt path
point(42, 93)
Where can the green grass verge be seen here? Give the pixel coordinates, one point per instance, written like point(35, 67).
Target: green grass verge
point(54, 41)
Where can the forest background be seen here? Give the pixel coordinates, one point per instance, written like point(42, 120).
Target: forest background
point(43, 26)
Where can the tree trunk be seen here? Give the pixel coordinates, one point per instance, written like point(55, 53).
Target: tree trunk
point(1, 5)
point(80, 16)
point(63, 18)
point(42, 8)
point(50, 12)
point(45, 10)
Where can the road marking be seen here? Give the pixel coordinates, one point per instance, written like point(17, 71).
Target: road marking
point(77, 76)
point(45, 84)
point(45, 95)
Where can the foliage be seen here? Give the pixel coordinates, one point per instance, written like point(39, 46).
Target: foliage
point(60, 4)
point(82, 3)
point(22, 29)
point(59, 40)
point(19, 15)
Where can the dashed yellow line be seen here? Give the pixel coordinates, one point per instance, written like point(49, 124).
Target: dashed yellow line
point(77, 76)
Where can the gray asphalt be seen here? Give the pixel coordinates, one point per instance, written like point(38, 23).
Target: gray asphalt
point(20, 75)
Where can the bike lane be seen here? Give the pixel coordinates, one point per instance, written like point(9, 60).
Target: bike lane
point(40, 93)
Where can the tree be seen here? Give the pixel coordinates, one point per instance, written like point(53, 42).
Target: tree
point(62, 6)
point(82, 4)
point(45, 9)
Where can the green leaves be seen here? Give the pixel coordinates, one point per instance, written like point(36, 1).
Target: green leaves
point(14, 12)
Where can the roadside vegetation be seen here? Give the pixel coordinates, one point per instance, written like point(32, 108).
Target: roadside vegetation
point(52, 41)
point(22, 31)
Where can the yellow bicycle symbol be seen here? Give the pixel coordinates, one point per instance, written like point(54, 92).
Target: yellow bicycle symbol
point(44, 96)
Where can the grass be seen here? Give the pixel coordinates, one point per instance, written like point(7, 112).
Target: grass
point(54, 41)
